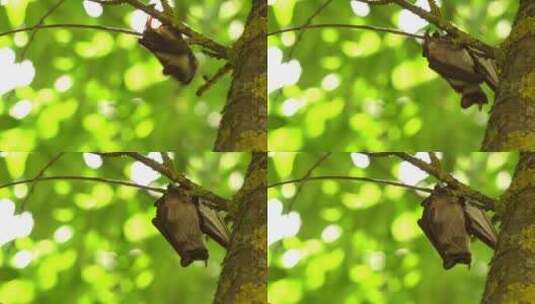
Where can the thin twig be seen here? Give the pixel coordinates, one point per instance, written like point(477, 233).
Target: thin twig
point(39, 175)
point(435, 9)
point(308, 22)
point(351, 178)
point(305, 176)
point(349, 26)
point(167, 161)
point(212, 80)
point(434, 159)
point(300, 35)
point(72, 25)
point(83, 178)
point(35, 29)
point(167, 8)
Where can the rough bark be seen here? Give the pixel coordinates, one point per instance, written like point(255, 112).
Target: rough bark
point(512, 274)
point(512, 121)
point(244, 275)
point(244, 122)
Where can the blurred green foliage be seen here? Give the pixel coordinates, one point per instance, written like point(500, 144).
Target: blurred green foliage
point(96, 90)
point(364, 90)
point(94, 242)
point(358, 242)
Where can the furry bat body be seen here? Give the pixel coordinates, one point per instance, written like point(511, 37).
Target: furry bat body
point(182, 220)
point(464, 68)
point(171, 50)
point(444, 224)
point(448, 221)
point(178, 221)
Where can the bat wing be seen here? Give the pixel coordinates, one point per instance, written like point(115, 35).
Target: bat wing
point(485, 66)
point(480, 226)
point(212, 225)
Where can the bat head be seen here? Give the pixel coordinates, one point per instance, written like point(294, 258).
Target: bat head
point(473, 97)
point(452, 259)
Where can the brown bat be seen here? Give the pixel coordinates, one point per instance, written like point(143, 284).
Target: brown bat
point(464, 68)
point(171, 50)
point(444, 223)
point(177, 219)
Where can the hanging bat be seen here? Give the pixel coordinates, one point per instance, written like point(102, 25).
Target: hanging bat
point(480, 226)
point(464, 68)
point(212, 225)
point(177, 219)
point(172, 51)
point(444, 223)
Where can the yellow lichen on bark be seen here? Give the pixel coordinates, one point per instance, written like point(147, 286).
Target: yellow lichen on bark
point(527, 239)
point(522, 180)
point(260, 86)
point(260, 239)
point(256, 141)
point(248, 294)
point(518, 140)
point(527, 87)
point(518, 293)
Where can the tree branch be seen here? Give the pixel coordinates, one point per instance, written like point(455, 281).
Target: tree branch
point(440, 174)
point(448, 27)
point(349, 26)
point(215, 201)
point(212, 80)
point(182, 28)
point(351, 178)
point(83, 178)
point(72, 25)
point(167, 161)
point(434, 159)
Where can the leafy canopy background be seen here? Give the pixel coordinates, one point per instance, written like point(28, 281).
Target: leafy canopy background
point(118, 98)
point(364, 90)
point(359, 242)
point(115, 254)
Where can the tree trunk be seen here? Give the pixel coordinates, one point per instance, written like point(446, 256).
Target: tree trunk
point(512, 121)
point(243, 126)
point(512, 274)
point(244, 275)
